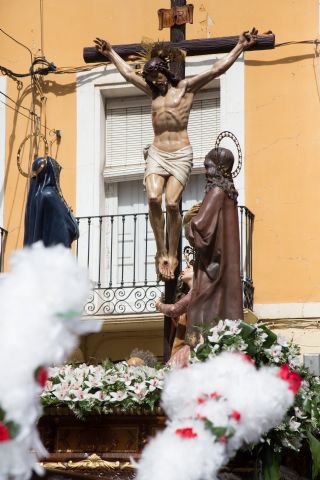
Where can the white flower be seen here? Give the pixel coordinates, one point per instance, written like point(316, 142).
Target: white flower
point(154, 383)
point(110, 379)
point(234, 327)
point(100, 395)
point(299, 413)
point(282, 341)
point(293, 425)
point(220, 327)
point(274, 352)
point(214, 338)
point(295, 362)
point(139, 395)
point(118, 396)
point(61, 391)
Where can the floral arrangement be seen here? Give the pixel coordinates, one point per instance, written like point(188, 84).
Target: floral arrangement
point(213, 408)
point(107, 388)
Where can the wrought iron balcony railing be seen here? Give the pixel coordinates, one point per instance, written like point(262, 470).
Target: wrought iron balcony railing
point(3, 236)
point(119, 252)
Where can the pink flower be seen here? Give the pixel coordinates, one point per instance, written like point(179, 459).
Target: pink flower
point(292, 378)
point(186, 432)
point(4, 433)
point(235, 415)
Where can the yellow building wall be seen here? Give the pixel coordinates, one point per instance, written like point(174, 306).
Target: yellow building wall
point(282, 111)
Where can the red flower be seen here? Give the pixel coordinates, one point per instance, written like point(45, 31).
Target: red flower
point(186, 433)
point(42, 376)
point(292, 378)
point(4, 433)
point(236, 415)
point(201, 400)
point(223, 439)
point(214, 395)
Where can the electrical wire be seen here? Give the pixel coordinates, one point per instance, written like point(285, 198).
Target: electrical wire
point(305, 42)
point(31, 115)
point(18, 105)
point(19, 43)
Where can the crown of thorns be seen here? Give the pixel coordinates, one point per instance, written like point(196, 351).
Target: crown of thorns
point(227, 134)
point(155, 65)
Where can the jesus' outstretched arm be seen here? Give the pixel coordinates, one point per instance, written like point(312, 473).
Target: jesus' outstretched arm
point(126, 71)
point(246, 39)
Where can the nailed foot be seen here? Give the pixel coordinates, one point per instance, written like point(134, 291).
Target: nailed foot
point(162, 266)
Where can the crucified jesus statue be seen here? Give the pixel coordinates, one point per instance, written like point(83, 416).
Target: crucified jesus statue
point(169, 158)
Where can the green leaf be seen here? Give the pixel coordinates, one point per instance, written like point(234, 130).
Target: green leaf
point(272, 337)
point(203, 351)
point(2, 414)
point(307, 406)
point(247, 330)
point(270, 464)
point(55, 380)
point(13, 429)
point(314, 445)
point(216, 431)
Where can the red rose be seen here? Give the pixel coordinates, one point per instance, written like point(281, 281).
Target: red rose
point(223, 439)
point(186, 432)
point(42, 376)
point(292, 378)
point(236, 415)
point(4, 433)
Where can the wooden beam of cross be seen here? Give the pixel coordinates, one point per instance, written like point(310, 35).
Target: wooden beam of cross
point(201, 46)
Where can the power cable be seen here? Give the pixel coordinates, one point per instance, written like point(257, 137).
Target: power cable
point(32, 114)
point(15, 40)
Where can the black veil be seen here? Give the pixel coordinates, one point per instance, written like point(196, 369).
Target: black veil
point(47, 216)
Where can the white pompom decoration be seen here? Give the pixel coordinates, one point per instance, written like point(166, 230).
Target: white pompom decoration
point(41, 300)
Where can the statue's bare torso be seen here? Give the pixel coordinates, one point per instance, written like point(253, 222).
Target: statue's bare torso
point(170, 115)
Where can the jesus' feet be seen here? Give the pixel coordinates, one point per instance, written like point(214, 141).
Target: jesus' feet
point(162, 266)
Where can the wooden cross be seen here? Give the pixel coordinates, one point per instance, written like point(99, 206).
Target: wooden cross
point(191, 47)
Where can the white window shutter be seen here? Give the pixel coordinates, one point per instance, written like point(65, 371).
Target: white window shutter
point(129, 130)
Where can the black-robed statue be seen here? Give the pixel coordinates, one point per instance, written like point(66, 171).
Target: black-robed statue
point(48, 217)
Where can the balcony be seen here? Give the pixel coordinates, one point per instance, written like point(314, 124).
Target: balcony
point(3, 236)
point(119, 251)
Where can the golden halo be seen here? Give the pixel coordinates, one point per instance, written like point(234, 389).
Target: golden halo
point(227, 134)
point(43, 163)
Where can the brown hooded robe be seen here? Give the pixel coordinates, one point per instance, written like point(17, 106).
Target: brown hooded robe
point(214, 233)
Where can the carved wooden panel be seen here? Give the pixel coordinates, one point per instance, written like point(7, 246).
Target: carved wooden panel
point(115, 439)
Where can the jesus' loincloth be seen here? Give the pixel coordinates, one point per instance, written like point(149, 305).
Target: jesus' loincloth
point(178, 163)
